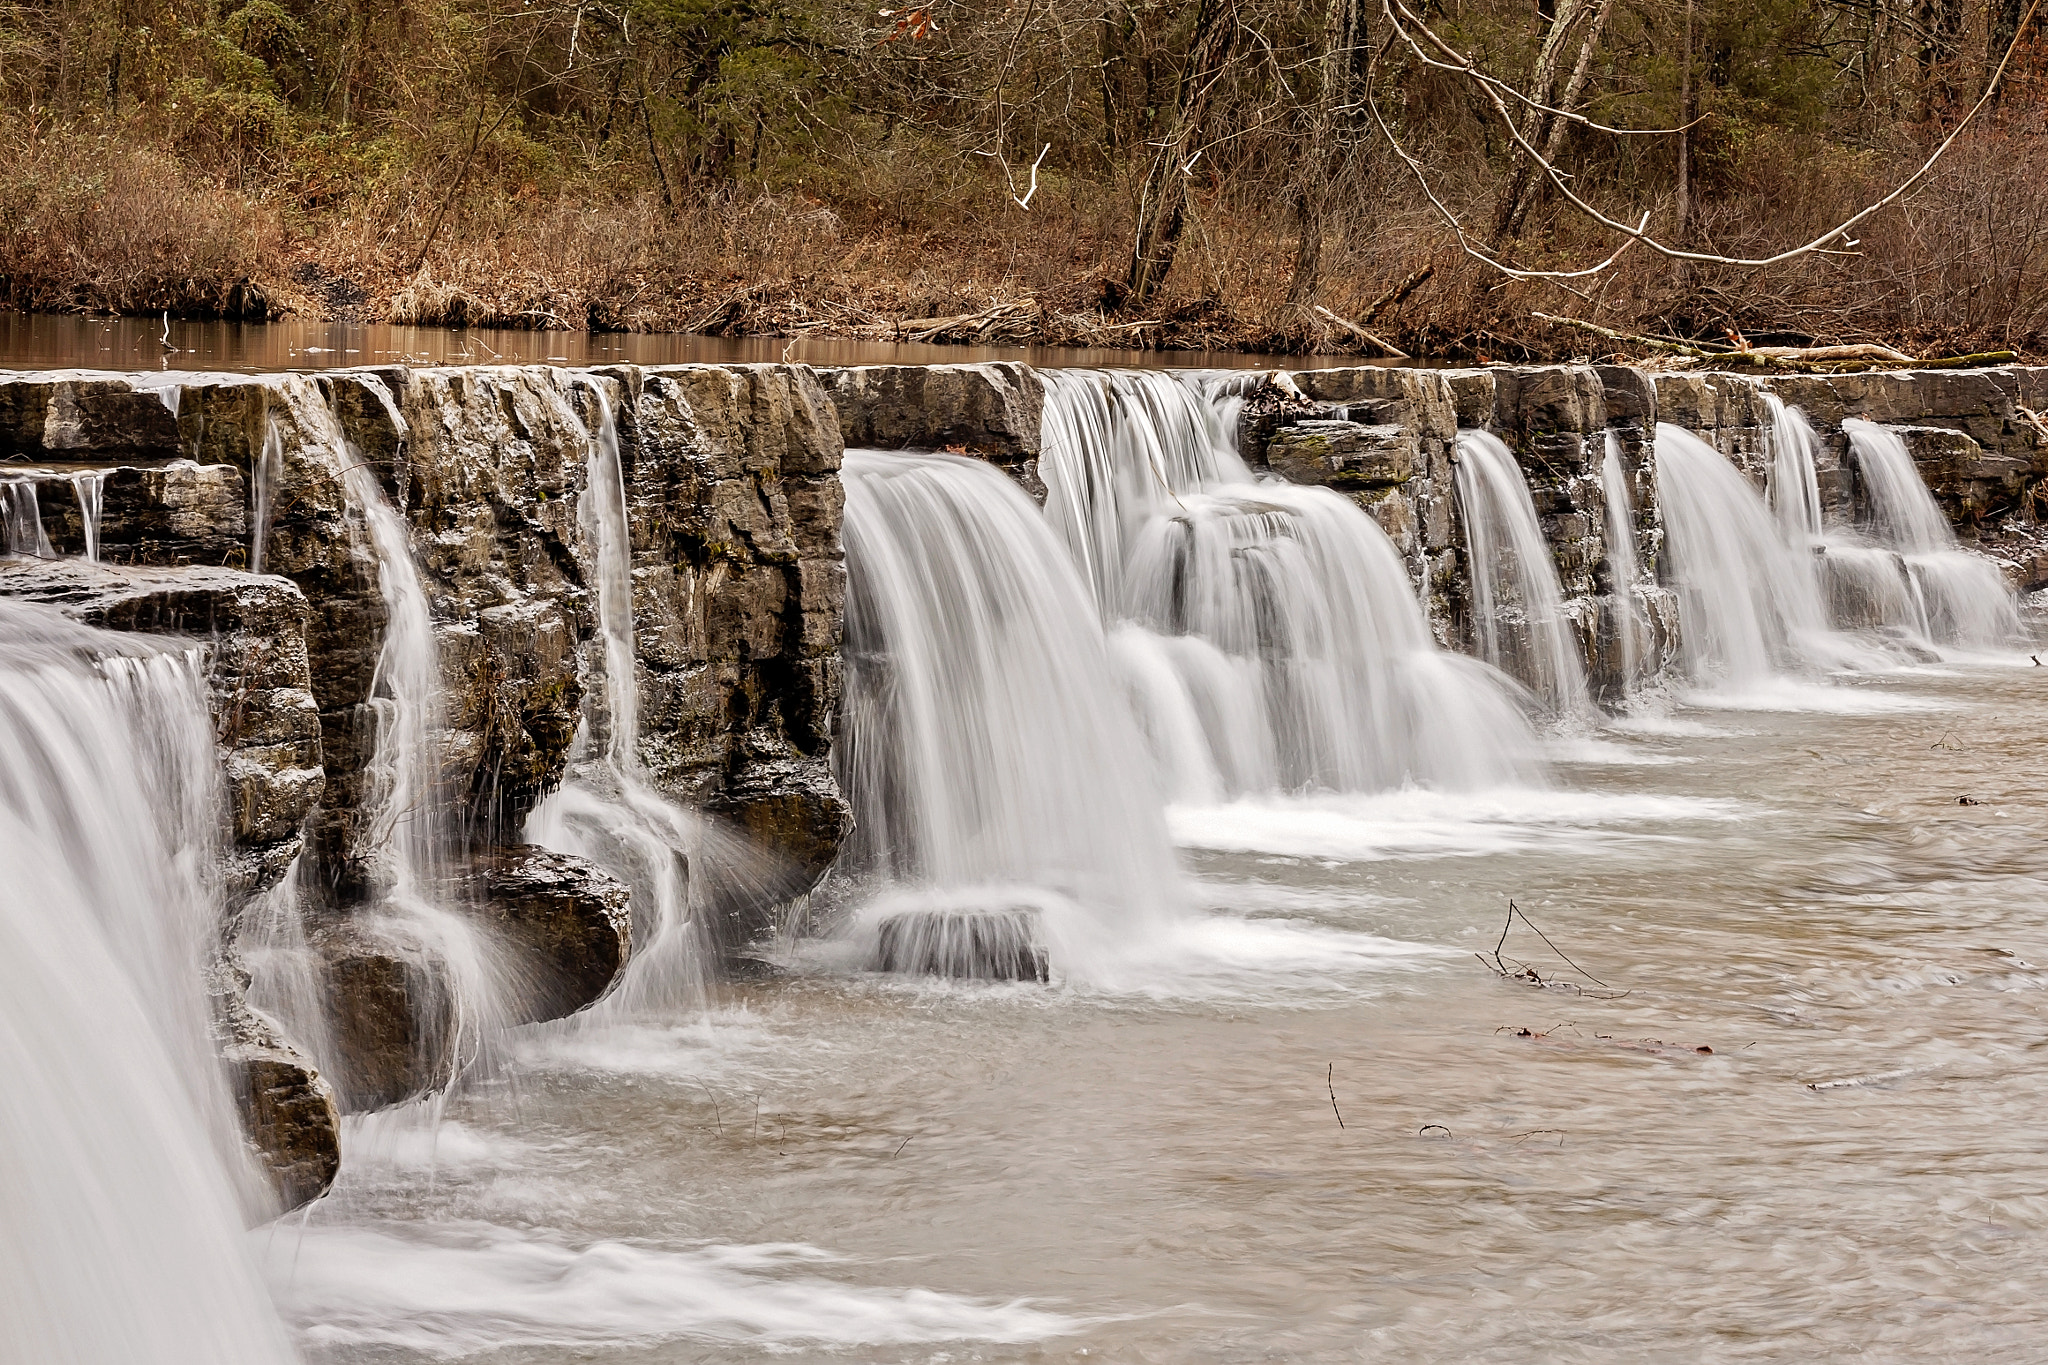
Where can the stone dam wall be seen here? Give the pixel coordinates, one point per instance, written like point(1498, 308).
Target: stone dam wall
point(731, 480)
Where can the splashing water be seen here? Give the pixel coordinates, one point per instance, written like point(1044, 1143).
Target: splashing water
point(122, 1173)
point(1514, 579)
point(988, 755)
point(1269, 632)
point(1956, 597)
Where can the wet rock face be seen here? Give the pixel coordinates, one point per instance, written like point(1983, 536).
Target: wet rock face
point(266, 721)
point(390, 1012)
point(566, 921)
point(733, 495)
point(1344, 454)
point(288, 1109)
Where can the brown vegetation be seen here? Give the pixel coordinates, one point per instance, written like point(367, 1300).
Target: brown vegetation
point(1182, 173)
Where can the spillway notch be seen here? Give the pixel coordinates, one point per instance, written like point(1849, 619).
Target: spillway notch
point(976, 945)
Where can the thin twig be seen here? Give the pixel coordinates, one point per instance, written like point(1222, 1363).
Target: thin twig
point(1516, 910)
point(714, 1108)
point(1331, 1081)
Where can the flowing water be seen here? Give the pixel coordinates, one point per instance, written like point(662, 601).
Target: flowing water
point(607, 811)
point(1750, 601)
point(1624, 567)
point(1956, 598)
point(1270, 633)
point(1302, 1086)
point(1514, 579)
point(409, 843)
point(123, 1181)
point(1794, 486)
point(1157, 1171)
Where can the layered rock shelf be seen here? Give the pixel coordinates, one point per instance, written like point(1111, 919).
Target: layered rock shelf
point(215, 508)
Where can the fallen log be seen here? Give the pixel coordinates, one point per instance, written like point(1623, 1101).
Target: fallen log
point(1853, 356)
point(1392, 351)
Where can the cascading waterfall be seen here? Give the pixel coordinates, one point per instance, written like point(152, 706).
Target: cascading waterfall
point(1749, 602)
point(987, 751)
point(21, 512)
point(1865, 587)
point(90, 487)
point(21, 519)
point(264, 478)
point(1631, 628)
point(1513, 577)
point(1269, 632)
point(407, 839)
point(1794, 487)
point(123, 1179)
point(607, 811)
point(1956, 597)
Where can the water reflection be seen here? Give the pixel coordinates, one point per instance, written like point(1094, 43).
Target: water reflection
point(35, 341)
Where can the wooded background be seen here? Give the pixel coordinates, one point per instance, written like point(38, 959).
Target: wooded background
point(1245, 173)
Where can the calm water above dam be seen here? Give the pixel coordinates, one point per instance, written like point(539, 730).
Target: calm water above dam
point(43, 341)
point(1156, 1171)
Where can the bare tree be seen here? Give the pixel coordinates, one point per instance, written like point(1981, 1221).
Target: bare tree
point(1163, 201)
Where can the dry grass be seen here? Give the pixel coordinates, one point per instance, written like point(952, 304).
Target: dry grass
point(114, 224)
point(103, 225)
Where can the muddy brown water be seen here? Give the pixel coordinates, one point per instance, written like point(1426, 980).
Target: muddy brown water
point(1321, 1129)
point(40, 341)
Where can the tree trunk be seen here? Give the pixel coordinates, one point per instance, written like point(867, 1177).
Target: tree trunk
point(1332, 142)
point(1163, 203)
point(1546, 131)
point(1685, 117)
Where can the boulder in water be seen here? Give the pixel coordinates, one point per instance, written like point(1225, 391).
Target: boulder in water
point(987, 945)
point(393, 1019)
point(563, 922)
point(288, 1109)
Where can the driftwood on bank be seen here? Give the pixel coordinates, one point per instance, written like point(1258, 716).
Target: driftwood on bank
point(1857, 356)
point(1387, 346)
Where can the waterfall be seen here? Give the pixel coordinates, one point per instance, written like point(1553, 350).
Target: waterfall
point(90, 486)
point(1956, 597)
point(123, 1177)
point(1794, 488)
point(1631, 628)
point(1749, 602)
point(1270, 632)
point(1119, 447)
point(1903, 514)
point(407, 839)
point(987, 751)
point(21, 520)
point(266, 474)
point(1514, 579)
point(606, 810)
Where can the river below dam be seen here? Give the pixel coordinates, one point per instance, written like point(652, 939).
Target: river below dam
point(1788, 1121)
point(936, 864)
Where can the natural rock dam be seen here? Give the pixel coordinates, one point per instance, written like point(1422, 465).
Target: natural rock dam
point(472, 735)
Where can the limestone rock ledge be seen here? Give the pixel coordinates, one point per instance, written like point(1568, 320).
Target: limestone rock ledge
point(738, 589)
